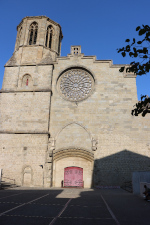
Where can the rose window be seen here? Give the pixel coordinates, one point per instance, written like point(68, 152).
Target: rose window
point(75, 84)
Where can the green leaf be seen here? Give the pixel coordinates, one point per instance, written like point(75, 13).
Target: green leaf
point(138, 28)
point(140, 50)
point(130, 54)
point(128, 48)
point(121, 69)
point(139, 42)
point(147, 34)
point(145, 51)
point(123, 54)
point(128, 69)
point(147, 27)
point(140, 73)
point(120, 49)
point(145, 56)
point(142, 31)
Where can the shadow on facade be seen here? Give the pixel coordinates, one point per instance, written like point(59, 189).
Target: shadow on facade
point(117, 169)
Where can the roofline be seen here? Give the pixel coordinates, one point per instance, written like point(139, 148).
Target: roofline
point(40, 17)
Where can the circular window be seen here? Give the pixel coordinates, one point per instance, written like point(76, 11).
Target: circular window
point(75, 84)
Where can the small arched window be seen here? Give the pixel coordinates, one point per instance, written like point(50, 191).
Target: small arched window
point(49, 34)
point(26, 81)
point(33, 30)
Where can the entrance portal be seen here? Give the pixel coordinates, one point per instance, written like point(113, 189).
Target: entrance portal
point(73, 159)
point(73, 177)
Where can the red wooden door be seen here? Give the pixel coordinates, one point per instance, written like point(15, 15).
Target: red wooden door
point(73, 177)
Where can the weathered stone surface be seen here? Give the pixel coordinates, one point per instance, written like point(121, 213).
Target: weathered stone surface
point(44, 128)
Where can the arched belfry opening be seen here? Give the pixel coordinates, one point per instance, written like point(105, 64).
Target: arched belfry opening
point(49, 36)
point(33, 31)
point(38, 40)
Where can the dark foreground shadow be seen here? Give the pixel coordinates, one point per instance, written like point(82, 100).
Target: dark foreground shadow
point(71, 206)
point(7, 185)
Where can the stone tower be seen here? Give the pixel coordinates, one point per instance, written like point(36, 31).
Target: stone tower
point(38, 43)
point(27, 90)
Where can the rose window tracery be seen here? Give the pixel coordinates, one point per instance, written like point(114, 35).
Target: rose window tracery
point(76, 84)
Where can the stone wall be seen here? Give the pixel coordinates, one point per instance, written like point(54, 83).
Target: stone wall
point(40, 75)
point(123, 140)
point(25, 112)
point(21, 151)
point(74, 105)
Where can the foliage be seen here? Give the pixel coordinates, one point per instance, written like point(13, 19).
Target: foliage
point(142, 106)
point(139, 50)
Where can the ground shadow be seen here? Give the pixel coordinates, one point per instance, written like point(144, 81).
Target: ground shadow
point(7, 185)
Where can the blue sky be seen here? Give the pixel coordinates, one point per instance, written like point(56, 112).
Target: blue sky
point(99, 26)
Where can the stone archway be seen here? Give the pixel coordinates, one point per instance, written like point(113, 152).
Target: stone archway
point(27, 176)
point(73, 157)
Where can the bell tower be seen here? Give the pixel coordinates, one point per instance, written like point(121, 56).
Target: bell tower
point(38, 41)
point(26, 98)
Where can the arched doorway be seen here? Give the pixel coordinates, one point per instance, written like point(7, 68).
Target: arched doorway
point(27, 176)
point(69, 158)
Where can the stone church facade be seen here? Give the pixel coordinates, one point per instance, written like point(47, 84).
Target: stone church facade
point(67, 118)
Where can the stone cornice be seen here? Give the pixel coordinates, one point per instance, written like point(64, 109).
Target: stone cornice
point(23, 132)
point(109, 61)
point(38, 64)
point(23, 90)
point(39, 17)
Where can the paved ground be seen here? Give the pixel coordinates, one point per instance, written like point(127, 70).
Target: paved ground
point(72, 207)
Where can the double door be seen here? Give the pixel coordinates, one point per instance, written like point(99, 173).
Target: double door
point(73, 177)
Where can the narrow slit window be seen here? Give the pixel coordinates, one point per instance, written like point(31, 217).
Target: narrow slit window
point(27, 82)
point(50, 40)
